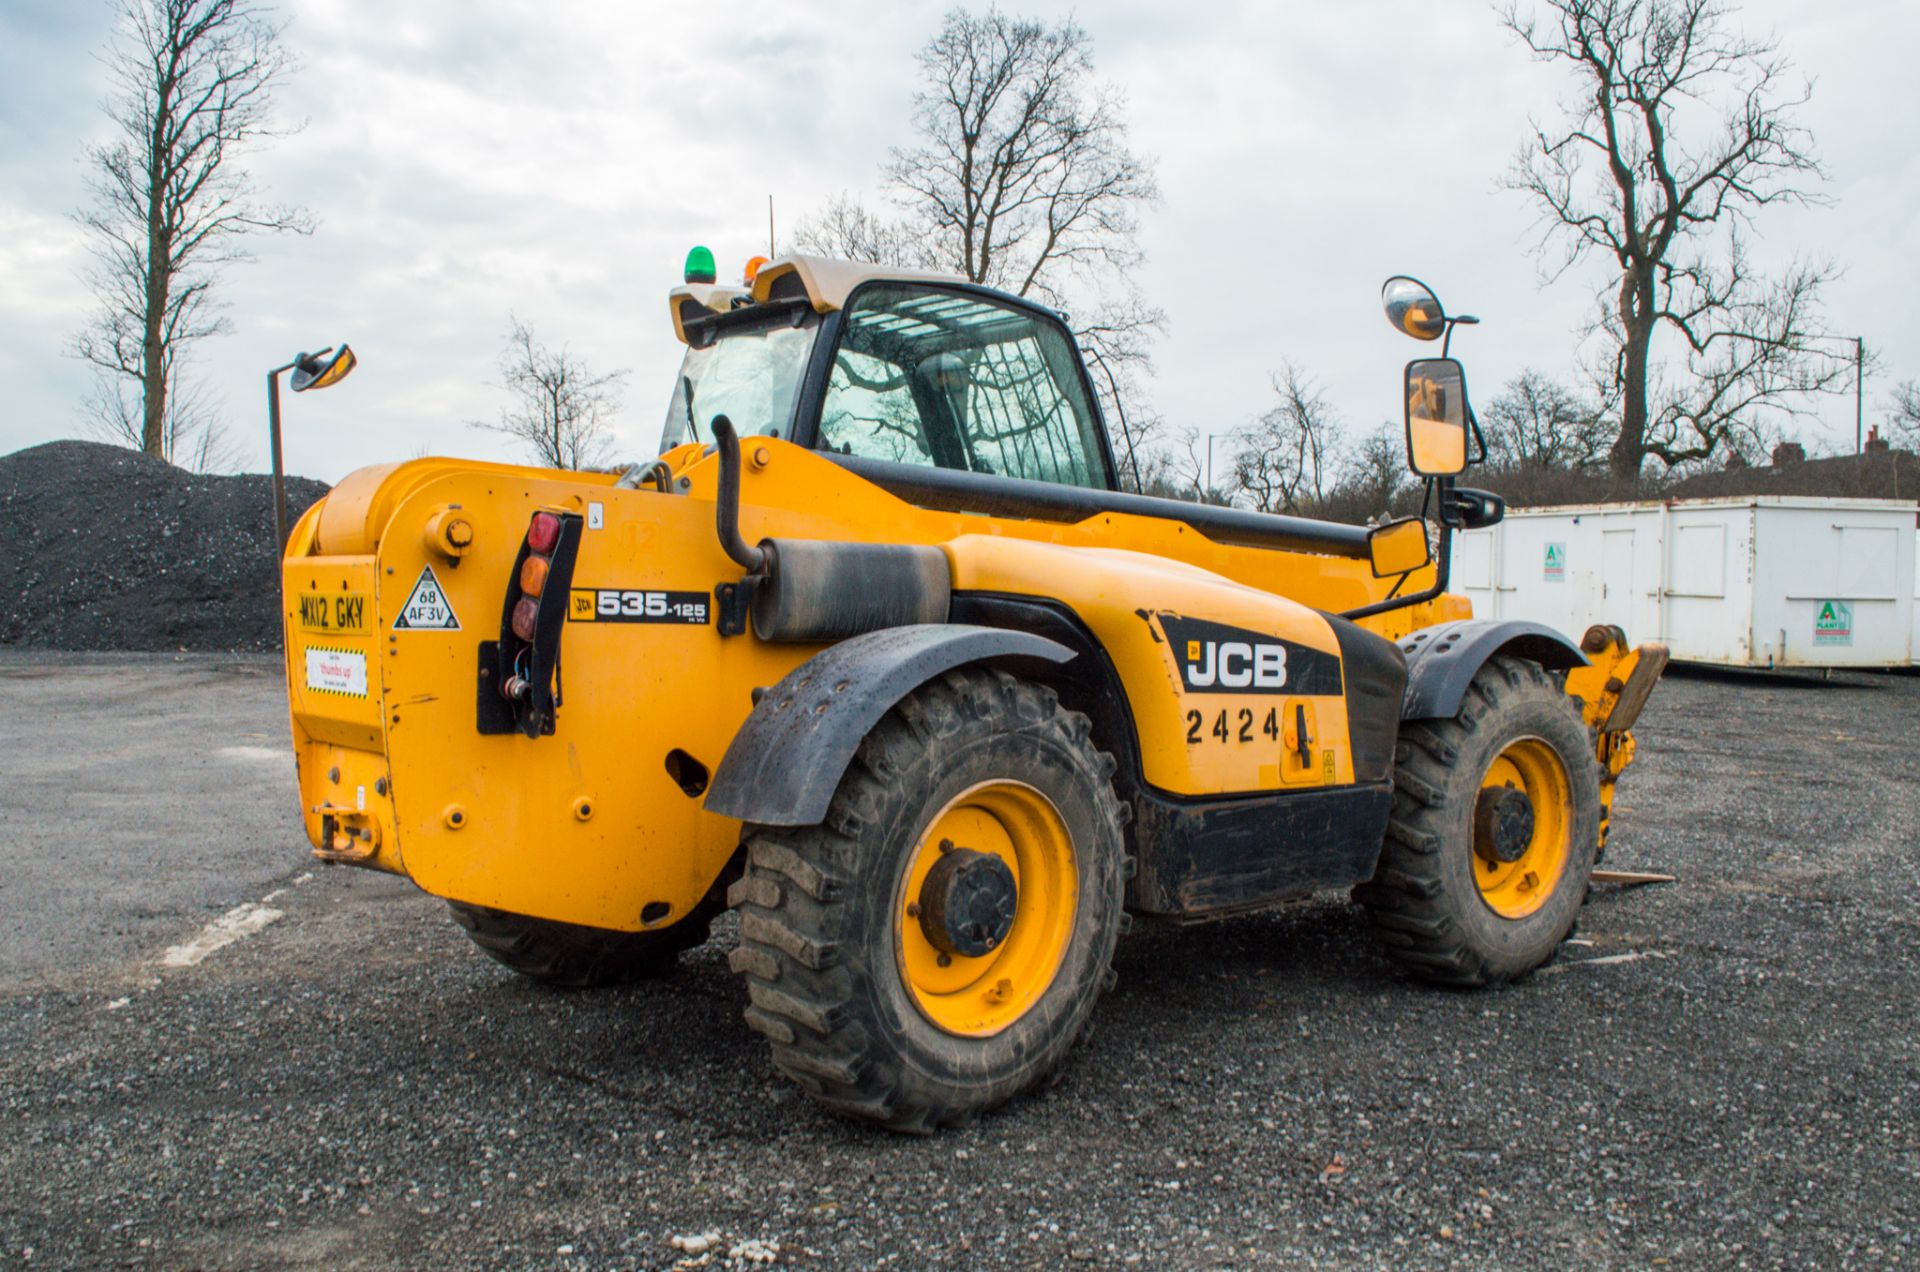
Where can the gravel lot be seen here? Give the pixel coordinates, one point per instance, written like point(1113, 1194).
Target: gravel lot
point(1724, 1073)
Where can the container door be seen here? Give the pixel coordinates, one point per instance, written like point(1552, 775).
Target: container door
point(1830, 585)
point(1473, 573)
point(1616, 579)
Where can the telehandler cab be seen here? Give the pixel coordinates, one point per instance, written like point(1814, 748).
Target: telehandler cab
point(879, 654)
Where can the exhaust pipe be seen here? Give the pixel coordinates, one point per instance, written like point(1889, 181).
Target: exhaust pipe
point(727, 511)
point(815, 591)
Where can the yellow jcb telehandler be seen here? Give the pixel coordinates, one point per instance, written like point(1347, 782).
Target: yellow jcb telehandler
point(879, 654)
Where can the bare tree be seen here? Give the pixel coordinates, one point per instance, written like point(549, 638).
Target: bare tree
point(561, 409)
point(1290, 454)
point(1614, 177)
point(1538, 422)
point(1023, 179)
point(846, 230)
point(1024, 166)
point(1373, 478)
point(192, 85)
point(1904, 417)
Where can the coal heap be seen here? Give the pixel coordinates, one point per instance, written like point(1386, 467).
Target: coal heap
point(102, 547)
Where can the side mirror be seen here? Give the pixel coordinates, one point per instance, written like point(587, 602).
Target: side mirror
point(318, 371)
point(1413, 308)
point(1399, 547)
point(1436, 397)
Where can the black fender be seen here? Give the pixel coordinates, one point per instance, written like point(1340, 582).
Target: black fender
point(1442, 661)
point(786, 760)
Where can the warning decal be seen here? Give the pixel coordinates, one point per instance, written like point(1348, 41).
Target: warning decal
point(1555, 567)
point(427, 608)
point(338, 671)
point(1833, 623)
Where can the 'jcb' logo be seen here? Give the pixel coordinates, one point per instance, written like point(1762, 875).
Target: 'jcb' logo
point(1233, 664)
point(1216, 658)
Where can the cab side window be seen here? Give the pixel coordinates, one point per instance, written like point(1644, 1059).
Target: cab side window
point(951, 380)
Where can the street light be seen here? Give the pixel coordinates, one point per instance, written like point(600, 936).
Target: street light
point(1211, 439)
point(310, 371)
point(1859, 377)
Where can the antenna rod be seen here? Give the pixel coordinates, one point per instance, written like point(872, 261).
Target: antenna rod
point(770, 251)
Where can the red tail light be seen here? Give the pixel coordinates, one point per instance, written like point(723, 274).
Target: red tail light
point(543, 532)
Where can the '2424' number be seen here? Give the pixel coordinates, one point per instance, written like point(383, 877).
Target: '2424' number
point(1239, 730)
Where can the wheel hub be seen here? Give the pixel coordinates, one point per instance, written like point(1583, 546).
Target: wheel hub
point(967, 903)
point(1502, 825)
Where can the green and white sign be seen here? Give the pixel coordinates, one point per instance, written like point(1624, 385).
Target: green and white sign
point(1555, 567)
point(1833, 623)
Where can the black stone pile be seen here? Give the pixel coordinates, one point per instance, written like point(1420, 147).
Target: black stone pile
point(102, 547)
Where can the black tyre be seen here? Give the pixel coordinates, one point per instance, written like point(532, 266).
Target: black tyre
point(936, 946)
point(570, 956)
point(1496, 818)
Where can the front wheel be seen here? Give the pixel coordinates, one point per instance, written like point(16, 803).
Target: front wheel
point(1496, 819)
point(936, 946)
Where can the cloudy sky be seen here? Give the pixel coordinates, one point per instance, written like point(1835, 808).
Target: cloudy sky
point(471, 158)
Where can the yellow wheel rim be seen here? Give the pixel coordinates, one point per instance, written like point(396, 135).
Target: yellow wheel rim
point(980, 996)
point(1516, 888)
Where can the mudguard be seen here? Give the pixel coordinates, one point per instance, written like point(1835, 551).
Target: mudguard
point(1442, 660)
point(785, 762)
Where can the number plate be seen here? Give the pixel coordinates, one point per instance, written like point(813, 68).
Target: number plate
point(333, 613)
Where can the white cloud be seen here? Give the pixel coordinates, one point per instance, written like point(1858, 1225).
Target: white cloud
point(467, 159)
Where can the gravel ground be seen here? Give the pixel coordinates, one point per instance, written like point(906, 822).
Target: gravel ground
point(102, 547)
point(1722, 1074)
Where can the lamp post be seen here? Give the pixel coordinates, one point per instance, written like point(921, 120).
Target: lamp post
point(310, 371)
point(1211, 439)
point(1859, 376)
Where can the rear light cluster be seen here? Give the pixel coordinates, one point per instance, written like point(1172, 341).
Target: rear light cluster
point(520, 673)
point(542, 534)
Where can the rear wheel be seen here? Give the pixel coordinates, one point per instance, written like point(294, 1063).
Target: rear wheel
point(1496, 819)
point(936, 946)
point(570, 956)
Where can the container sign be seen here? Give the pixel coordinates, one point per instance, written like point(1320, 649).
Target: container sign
point(1833, 624)
point(1555, 570)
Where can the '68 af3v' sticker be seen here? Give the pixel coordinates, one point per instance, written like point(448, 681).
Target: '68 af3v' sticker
point(1216, 658)
point(628, 605)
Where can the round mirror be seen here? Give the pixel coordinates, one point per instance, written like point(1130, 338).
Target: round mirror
point(318, 371)
point(1413, 308)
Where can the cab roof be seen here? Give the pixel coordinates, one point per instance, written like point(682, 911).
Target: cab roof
point(825, 284)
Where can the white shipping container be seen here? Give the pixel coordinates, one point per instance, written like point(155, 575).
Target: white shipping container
point(1761, 581)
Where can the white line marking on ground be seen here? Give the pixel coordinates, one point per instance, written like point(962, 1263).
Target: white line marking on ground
point(1633, 956)
point(241, 921)
point(256, 754)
